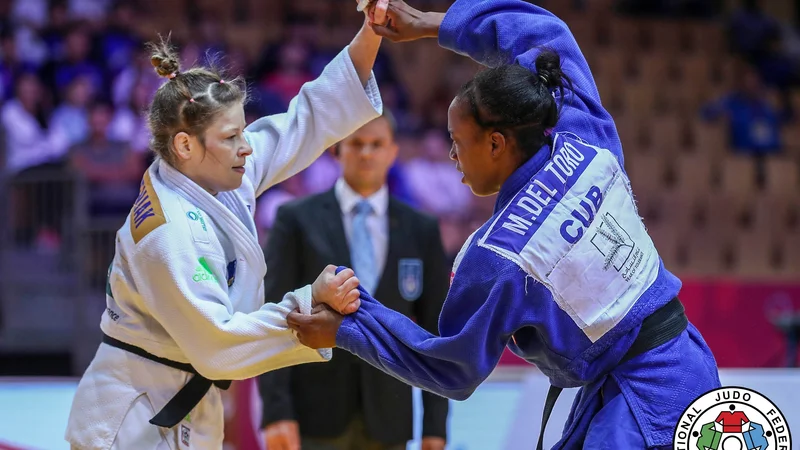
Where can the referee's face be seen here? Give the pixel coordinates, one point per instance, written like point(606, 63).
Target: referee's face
point(367, 155)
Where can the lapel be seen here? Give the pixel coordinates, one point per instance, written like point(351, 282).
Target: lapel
point(331, 222)
point(242, 236)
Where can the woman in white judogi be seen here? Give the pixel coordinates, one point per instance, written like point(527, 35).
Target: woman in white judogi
point(185, 307)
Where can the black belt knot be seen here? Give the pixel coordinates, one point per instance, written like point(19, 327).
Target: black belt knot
point(667, 323)
point(187, 398)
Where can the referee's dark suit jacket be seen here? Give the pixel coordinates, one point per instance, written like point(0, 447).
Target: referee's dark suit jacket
point(308, 234)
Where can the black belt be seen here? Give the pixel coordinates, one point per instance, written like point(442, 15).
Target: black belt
point(186, 399)
point(666, 323)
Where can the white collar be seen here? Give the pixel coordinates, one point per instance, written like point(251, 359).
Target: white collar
point(348, 198)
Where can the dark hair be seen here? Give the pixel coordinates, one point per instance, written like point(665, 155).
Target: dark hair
point(517, 102)
point(189, 101)
point(387, 116)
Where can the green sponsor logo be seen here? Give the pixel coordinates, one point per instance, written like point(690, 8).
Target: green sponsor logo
point(197, 216)
point(203, 271)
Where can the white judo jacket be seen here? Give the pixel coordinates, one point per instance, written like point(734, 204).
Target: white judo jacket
point(186, 283)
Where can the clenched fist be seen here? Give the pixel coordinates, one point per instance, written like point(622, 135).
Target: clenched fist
point(402, 22)
point(318, 329)
point(339, 291)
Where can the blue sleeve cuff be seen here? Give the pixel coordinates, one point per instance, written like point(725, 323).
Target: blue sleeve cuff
point(347, 334)
point(449, 28)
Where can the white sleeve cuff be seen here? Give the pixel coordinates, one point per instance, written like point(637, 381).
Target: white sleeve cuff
point(372, 91)
point(302, 299)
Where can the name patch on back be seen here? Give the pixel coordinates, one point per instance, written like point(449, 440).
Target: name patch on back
point(146, 214)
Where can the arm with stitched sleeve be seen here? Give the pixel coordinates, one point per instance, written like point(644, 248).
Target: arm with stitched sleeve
point(436, 278)
point(495, 32)
point(220, 344)
point(485, 306)
point(324, 111)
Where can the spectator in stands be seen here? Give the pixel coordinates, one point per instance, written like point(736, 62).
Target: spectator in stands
point(119, 43)
point(207, 34)
point(433, 180)
point(30, 13)
point(71, 115)
point(111, 168)
point(128, 124)
point(750, 31)
point(292, 71)
point(321, 175)
point(297, 27)
point(55, 29)
point(91, 10)
point(398, 185)
point(433, 115)
point(29, 142)
point(777, 68)
point(28, 17)
point(138, 70)
point(76, 62)
point(9, 63)
point(754, 124)
point(395, 99)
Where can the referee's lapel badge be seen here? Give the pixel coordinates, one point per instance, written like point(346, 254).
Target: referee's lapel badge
point(410, 278)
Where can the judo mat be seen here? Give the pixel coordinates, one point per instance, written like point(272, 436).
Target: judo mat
point(503, 414)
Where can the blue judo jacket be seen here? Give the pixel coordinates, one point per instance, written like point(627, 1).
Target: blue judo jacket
point(563, 274)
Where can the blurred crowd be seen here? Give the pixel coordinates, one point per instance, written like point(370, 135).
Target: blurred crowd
point(75, 79)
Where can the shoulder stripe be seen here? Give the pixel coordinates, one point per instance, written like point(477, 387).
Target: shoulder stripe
point(146, 214)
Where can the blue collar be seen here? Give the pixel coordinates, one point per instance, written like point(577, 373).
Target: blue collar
point(521, 177)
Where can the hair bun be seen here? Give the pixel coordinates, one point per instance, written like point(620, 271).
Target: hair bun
point(548, 69)
point(164, 58)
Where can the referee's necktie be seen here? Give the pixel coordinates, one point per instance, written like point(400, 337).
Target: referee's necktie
point(362, 252)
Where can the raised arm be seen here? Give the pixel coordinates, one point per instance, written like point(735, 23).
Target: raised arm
point(341, 100)
point(496, 32)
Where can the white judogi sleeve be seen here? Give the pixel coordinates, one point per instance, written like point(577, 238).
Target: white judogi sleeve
point(220, 343)
point(325, 111)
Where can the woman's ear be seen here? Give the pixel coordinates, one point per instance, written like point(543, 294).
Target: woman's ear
point(499, 143)
point(181, 145)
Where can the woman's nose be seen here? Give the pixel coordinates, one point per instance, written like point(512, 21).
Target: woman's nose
point(246, 150)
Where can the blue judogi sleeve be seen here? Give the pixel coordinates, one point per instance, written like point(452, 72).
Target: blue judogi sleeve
point(496, 32)
point(486, 304)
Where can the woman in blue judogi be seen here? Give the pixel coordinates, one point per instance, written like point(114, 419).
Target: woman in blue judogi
point(564, 272)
